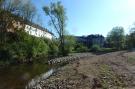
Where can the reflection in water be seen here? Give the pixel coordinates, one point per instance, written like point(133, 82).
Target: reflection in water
point(17, 77)
point(34, 82)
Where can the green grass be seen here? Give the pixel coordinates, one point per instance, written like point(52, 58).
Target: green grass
point(131, 60)
point(108, 78)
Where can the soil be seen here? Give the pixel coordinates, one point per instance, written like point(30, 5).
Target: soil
point(114, 70)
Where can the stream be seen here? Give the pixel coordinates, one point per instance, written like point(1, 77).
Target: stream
point(17, 77)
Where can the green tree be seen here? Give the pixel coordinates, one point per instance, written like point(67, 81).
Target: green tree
point(70, 42)
point(79, 47)
point(11, 10)
point(53, 49)
point(131, 38)
point(1, 1)
point(95, 48)
point(24, 48)
point(116, 38)
point(57, 15)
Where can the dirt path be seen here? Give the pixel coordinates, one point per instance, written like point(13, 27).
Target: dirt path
point(107, 71)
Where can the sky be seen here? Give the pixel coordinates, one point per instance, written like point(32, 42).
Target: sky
point(87, 17)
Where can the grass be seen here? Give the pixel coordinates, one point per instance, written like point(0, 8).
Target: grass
point(108, 78)
point(131, 60)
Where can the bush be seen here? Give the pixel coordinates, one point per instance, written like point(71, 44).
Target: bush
point(108, 49)
point(53, 49)
point(80, 48)
point(4, 54)
point(95, 48)
point(69, 46)
point(40, 47)
point(22, 47)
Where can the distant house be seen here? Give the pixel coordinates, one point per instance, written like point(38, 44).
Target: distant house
point(91, 40)
point(18, 23)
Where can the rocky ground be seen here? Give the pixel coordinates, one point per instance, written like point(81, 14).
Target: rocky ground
point(107, 71)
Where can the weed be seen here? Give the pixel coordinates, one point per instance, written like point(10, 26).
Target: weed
point(131, 59)
point(108, 78)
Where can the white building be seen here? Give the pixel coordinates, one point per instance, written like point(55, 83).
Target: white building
point(31, 28)
point(38, 31)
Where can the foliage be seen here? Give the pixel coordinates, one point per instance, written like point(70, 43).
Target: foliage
point(53, 48)
point(20, 8)
point(108, 78)
point(57, 15)
point(80, 48)
point(11, 10)
point(95, 48)
point(70, 42)
point(21, 47)
point(131, 38)
point(1, 1)
point(116, 38)
point(106, 50)
point(29, 10)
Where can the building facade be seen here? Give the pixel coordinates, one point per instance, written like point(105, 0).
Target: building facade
point(38, 31)
point(30, 28)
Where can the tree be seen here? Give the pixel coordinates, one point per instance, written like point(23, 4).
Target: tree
point(131, 38)
point(17, 7)
point(116, 38)
point(1, 1)
point(11, 10)
point(70, 42)
point(57, 15)
point(79, 47)
point(28, 11)
point(25, 49)
point(13, 6)
point(95, 48)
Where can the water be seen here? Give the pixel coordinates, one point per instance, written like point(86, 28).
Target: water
point(17, 77)
point(35, 81)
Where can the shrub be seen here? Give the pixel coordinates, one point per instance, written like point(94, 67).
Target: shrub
point(95, 48)
point(53, 49)
point(40, 47)
point(70, 42)
point(22, 47)
point(108, 49)
point(18, 51)
point(4, 54)
point(80, 48)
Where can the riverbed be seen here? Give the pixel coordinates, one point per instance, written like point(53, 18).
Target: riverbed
point(18, 76)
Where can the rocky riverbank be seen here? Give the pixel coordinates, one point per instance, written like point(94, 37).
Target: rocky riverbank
point(107, 71)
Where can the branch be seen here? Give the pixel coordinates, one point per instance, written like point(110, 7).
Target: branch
point(54, 24)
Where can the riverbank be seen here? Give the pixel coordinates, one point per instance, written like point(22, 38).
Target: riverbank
point(114, 70)
point(18, 76)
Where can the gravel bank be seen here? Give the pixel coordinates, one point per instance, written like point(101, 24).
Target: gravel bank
point(107, 71)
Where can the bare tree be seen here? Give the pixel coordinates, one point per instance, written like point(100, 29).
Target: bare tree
point(17, 7)
point(28, 11)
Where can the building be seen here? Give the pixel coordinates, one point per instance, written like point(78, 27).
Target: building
point(91, 40)
point(31, 28)
point(14, 23)
point(38, 31)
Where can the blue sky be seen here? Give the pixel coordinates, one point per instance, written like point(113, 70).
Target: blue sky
point(93, 16)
